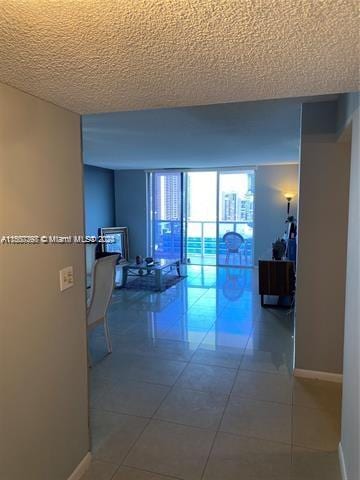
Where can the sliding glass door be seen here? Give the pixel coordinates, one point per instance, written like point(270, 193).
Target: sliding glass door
point(236, 218)
point(166, 215)
point(205, 217)
point(201, 216)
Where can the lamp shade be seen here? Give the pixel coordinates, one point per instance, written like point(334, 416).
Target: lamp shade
point(289, 196)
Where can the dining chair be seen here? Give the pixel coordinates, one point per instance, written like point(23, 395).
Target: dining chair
point(90, 249)
point(233, 242)
point(103, 277)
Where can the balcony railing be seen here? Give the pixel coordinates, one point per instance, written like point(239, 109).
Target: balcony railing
point(201, 242)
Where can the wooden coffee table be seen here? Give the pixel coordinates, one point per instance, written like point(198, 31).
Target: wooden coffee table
point(158, 270)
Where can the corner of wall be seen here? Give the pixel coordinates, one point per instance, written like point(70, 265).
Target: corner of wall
point(81, 469)
point(343, 472)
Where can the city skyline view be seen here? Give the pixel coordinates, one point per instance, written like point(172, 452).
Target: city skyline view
point(235, 203)
point(213, 207)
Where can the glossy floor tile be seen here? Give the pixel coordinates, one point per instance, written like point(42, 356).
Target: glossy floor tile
point(316, 429)
point(131, 397)
point(100, 471)
point(194, 408)
point(113, 435)
point(263, 386)
point(140, 368)
point(129, 473)
point(218, 355)
point(207, 378)
point(199, 387)
point(314, 465)
point(235, 457)
point(223, 336)
point(172, 449)
point(258, 419)
point(267, 362)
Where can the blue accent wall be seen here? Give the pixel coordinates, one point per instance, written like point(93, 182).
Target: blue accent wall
point(271, 182)
point(319, 118)
point(130, 195)
point(99, 199)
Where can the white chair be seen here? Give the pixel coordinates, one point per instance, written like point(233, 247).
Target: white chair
point(102, 285)
point(90, 259)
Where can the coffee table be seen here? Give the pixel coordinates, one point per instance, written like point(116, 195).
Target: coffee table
point(158, 269)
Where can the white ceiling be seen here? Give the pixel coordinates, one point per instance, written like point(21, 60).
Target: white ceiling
point(100, 56)
point(232, 134)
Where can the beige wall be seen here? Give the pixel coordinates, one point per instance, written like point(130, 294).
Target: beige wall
point(43, 371)
point(350, 430)
point(323, 217)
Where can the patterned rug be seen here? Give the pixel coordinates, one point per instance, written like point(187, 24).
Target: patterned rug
point(147, 282)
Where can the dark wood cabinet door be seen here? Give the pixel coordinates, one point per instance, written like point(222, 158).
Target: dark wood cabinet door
point(276, 277)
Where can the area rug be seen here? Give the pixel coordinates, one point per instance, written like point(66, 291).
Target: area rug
point(147, 282)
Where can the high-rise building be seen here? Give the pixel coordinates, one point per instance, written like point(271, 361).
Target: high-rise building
point(229, 206)
point(168, 190)
point(246, 207)
point(251, 182)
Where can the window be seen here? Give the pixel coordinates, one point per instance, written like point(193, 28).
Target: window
point(190, 212)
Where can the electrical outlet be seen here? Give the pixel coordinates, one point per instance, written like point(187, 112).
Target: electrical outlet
point(66, 278)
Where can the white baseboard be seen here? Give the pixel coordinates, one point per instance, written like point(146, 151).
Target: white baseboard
point(326, 376)
point(81, 468)
point(342, 463)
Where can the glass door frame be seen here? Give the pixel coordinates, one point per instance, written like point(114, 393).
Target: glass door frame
point(150, 209)
point(203, 223)
point(247, 169)
point(184, 209)
point(217, 215)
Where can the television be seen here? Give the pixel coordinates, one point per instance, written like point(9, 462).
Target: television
point(114, 240)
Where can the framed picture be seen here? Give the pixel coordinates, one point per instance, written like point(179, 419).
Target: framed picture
point(120, 243)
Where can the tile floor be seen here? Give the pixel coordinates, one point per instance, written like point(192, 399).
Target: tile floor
point(199, 386)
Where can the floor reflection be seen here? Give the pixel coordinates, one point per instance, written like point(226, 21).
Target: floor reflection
point(211, 307)
point(200, 373)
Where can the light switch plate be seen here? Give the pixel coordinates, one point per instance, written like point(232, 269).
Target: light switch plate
point(66, 278)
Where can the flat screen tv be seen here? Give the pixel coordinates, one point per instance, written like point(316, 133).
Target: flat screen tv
point(115, 240)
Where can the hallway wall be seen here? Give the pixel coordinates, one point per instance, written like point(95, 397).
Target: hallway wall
point(322, 243)
point(43, 359)
point(99, 198)
point(350, 436)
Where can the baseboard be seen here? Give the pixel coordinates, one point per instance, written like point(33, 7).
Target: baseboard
point(81, 468)
point(342, 463)
point(326, 376)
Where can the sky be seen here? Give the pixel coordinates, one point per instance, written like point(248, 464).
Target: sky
point(202, 192)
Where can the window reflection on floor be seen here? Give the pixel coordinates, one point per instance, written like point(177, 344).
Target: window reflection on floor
point(200, 373)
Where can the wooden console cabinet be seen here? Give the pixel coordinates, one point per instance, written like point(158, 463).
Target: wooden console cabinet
point(276, 277)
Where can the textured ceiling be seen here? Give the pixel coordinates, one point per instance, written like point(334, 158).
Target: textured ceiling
point(103, 55)
point(232, 134)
